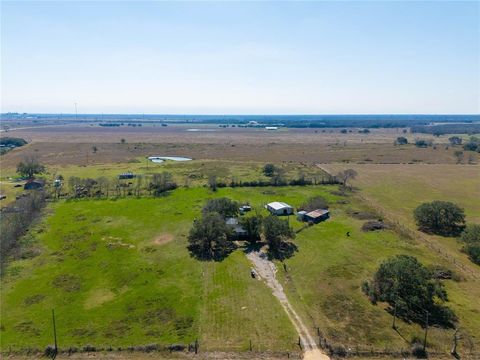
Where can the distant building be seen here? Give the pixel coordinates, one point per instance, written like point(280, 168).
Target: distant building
point(238, 231)
point(279, 208)
point(314, 216)
point(33, 184)
point(126, 175)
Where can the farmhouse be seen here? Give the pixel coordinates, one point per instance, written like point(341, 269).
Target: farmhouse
point(238, 231)
point(33, 184)
point(279, 208)
point(314, 216)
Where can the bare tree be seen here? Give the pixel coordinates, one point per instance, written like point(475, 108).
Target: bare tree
point(346, 175)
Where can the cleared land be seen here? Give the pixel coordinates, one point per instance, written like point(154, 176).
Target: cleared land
point(111, 283)
point(118, 272)
point(72, 145)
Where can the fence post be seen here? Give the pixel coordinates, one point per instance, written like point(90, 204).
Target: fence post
point(54, 335)
point(196, 346)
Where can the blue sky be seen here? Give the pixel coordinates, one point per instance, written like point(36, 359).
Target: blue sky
point(241, 58)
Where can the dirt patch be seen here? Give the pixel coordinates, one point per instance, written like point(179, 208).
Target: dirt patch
point(98, 297)
point(163, 239)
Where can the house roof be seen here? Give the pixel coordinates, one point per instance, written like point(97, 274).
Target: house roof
point(277, 205)
point(317, 213)
point(231, 221)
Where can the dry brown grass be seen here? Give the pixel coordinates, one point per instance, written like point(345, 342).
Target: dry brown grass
point(65, 145)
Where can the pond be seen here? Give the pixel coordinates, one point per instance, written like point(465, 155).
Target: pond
point(160, 159)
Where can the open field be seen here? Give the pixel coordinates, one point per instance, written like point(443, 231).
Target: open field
point(191, 173)
point(324, 281)
point(399, 189)
point(81, 154)
point(208, 133)
point(403, 187)
point(118, 273)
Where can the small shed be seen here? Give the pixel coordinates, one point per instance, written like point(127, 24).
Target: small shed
point(238, 231)
point(301, 215)
point(317, 216)
point(126, 175)
point(33, 184)
point(279, 208)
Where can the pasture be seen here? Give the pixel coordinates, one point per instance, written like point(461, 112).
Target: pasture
point(118, 273)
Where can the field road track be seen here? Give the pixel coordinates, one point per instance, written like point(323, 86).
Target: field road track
point(266, 270)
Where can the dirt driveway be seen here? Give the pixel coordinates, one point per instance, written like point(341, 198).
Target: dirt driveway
point(266, 271)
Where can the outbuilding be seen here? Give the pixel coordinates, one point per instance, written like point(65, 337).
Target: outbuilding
point(126, 175)
point(33, 184)
point(316, 216)
point(279, 208)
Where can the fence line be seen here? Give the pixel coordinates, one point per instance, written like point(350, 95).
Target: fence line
point(413, 234)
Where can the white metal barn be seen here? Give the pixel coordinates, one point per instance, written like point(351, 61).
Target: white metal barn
point(279, 208)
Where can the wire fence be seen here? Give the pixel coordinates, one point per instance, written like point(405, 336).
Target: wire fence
point(414, 234)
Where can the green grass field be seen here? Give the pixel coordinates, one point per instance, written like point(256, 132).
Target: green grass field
point(324, 282)
point(192, 173)
point(118, 273)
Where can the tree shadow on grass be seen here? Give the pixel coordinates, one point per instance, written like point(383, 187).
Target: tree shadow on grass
point(252, 247)
point(285, 251)
point(217, 255)
point(439, 315)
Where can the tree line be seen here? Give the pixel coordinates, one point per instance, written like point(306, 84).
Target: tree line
point(15, 220)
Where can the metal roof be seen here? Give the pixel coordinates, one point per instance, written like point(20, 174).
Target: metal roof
point(317, 213)
point(277, 205)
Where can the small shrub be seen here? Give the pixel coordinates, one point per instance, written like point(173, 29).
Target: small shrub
point(49, 351)
point(89, 348)
point(418, 351)
point(374, 225)
point(338, 350)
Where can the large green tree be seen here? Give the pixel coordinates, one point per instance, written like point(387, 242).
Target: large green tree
point(277, 232)
point(208, 237)
point(404, 283)
point(471, 238)
point(253, 226)
point(440, 217)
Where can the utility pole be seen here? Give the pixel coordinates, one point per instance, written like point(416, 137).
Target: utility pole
point(426, 331)
point(54, 334)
